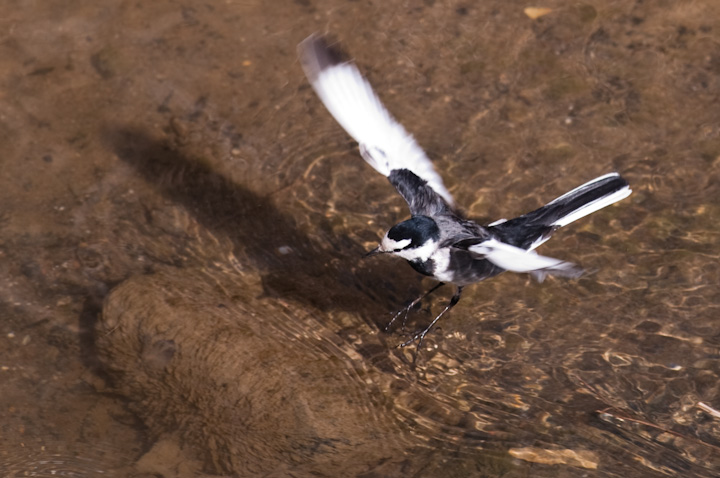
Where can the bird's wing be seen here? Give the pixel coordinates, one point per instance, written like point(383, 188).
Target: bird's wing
point(420, 196)
point(384, 143)
point(516, 259)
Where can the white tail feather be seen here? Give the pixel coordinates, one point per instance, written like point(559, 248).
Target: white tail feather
point(593, 206)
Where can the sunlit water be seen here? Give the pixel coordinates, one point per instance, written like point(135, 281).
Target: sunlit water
point(182, 225)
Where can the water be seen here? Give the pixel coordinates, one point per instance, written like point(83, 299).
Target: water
point(181, 226)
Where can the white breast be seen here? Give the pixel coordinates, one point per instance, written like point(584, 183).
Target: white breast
point(441, 258)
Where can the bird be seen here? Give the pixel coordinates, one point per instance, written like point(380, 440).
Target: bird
point(437, 240)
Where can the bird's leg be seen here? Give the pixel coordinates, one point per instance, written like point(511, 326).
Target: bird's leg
point(421, 335)
point(411, 305)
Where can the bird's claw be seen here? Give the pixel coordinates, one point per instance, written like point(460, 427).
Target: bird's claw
point(406, 310)
point(419, 337)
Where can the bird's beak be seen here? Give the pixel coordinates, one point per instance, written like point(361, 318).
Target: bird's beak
point(374, 252)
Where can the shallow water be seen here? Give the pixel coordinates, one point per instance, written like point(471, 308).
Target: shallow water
point(170, 164)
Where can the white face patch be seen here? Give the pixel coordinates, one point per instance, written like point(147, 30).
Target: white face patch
point(422, 253)
point(390, 245)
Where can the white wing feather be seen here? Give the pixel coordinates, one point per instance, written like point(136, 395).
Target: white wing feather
point(516, 259)
point(385, 144)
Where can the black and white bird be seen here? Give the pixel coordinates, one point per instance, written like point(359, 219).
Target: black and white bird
point(437, 240)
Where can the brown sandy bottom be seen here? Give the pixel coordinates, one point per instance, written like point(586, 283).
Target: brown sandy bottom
point(181, 226)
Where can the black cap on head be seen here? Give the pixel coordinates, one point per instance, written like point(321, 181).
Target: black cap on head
point(419, 229)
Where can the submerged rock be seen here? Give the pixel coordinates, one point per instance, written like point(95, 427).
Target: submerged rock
point(204, 356)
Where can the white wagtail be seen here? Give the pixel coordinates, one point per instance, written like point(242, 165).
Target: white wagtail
point(437, 241)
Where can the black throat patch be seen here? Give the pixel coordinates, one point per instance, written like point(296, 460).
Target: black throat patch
point(426, 267)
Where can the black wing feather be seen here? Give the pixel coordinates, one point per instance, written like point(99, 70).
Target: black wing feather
point(422, 199)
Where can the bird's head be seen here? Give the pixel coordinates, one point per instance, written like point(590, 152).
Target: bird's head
point(414, 239)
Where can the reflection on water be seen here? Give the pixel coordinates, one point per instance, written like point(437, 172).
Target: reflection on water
point(181, 226)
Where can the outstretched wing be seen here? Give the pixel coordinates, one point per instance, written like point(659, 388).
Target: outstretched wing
point(384, 143)
point(516, 259)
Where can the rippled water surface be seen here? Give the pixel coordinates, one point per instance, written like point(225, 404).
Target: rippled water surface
point(182, 223)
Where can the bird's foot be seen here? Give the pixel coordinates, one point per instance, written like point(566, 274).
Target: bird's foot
point(419, 337)
point(405, 311)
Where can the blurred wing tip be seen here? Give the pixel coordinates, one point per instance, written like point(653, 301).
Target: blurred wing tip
point(384, 143)
point(317, 54)
point(516, 259)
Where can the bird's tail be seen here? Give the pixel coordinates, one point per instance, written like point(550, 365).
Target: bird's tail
point(532, 229)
